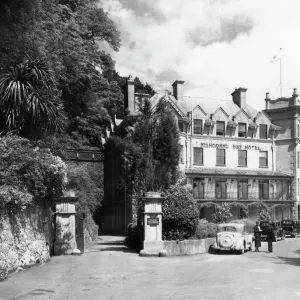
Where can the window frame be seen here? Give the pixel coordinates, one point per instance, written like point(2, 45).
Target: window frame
point(265, 137)
point(267, 159)
point(245, 158)
point(223, 192)
point(224, 128)
point(240, 188)
point(261, 189)
point(200, 188)
point(194, 155)
point(198, 126)
point(244, 124)
point(224, 157)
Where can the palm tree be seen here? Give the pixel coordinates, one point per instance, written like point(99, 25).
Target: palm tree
point(28, 96)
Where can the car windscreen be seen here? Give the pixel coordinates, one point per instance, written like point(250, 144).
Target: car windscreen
point(227, 228)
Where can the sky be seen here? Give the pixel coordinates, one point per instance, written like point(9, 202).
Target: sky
point(215, 46)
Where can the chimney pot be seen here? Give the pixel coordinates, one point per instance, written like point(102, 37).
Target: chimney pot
point(295, 92)
point(267, 101)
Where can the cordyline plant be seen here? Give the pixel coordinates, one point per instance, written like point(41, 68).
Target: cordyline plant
point(28, 96)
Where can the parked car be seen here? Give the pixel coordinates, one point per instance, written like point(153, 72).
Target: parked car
point(291, 227)
point(232, 237)
point(277, 232)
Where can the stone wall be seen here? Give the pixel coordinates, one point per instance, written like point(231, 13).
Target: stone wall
point(25, 238)
point(188, 247)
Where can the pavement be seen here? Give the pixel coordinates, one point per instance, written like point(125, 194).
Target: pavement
point(109, 270)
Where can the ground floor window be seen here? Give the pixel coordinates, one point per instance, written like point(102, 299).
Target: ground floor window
point(264, 189)
point(243, 189)
point(221, 189)
point(198, 188)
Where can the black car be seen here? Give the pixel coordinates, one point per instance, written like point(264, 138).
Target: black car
point(275, 228)
point(291, 227)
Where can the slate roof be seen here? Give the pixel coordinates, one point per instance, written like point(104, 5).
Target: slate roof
point(209, 106)
point(234, 172)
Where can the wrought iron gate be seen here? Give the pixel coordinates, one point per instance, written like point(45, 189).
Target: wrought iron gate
point(79, 232)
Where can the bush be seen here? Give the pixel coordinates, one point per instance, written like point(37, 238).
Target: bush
point(135, 237)
point(222, 213)
point(29, 174)
point(180, 213)
point(205, 230)
point(249, 224)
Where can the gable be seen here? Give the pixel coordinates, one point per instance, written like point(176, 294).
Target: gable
point(220, 115)
point(262, 118)
point(241, 117)
point(174, 106)
point(199, 113)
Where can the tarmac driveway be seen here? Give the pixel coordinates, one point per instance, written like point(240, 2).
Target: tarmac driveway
point(109, 270)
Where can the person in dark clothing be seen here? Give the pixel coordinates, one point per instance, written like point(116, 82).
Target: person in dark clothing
point(270, 238)
point(257, 234)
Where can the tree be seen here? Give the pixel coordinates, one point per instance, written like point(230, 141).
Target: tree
point(222, 213)
point(28, 97)
point(181, 215)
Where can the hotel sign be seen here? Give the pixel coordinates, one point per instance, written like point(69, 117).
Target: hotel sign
point(237, 146)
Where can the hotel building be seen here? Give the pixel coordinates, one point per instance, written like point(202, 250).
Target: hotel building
point(230, 152)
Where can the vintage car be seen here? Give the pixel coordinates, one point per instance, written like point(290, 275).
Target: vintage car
point(277, 230)
point(232, 236)
point(291, 227)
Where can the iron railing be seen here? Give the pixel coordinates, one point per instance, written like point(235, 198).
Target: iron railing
point(82, 155)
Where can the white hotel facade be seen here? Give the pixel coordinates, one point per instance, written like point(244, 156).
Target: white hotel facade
point(230, 152)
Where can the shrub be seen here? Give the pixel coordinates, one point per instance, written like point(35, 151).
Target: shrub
point(249, 224)
point(180, 213)
point(135, 237)
point(205, 230)
point(29, 174)
point(222, 213)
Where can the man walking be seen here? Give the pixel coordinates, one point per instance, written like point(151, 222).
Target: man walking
point(257, 234)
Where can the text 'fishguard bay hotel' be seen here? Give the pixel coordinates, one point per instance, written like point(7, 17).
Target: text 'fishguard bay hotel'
point(233, 153)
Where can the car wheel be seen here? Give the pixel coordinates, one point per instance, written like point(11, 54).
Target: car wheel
point(250, 247)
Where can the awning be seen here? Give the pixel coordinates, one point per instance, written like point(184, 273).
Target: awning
point(233, 173)
point(209, 122)
point(231, 124)
point(275, 127)
point(253, 125)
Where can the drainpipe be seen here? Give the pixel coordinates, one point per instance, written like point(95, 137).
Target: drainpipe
point(273, 154)
point(191, 139)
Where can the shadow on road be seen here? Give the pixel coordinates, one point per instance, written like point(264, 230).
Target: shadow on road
point(294, 261)
point(120, 243)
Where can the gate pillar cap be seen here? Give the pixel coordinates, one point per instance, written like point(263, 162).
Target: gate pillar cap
point(66, 199)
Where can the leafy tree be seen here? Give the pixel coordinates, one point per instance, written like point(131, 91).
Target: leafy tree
point(28, 174)
point(28, 97)
point(222, 213)
point(181, 215)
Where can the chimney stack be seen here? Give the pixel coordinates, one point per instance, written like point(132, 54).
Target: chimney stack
point(295, 97)
point(178, 89)
point(267, 101)
point(239, 97)
point(130, 94)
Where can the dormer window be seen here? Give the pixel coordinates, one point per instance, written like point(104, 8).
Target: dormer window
point(220, 128)
point(263, 131)
point(197, 126)
point(181, 128)
point(242, 130)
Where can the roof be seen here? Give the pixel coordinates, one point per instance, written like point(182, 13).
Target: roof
point(210, 106)
point(233, 172)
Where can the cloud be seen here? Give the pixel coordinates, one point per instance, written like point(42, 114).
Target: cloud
point(213, 45)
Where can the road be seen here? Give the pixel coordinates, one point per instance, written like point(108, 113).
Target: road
point(108, 270)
